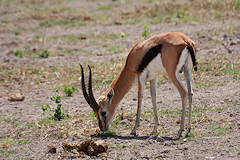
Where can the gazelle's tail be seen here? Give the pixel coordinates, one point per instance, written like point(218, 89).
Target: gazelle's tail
point(192, 53)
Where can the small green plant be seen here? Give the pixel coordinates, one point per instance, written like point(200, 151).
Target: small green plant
point(57, 99)
point(44, 54)
point(57, 89)
point(122, 35)
point(69, 90)
point(45, 108)
point(180, 14)
point(37, 36)
point(59, 112)
point(16, 33)
point(146, 32)
point(236, 4)
point(93, 113)
point(238, 151)
point(17, 53)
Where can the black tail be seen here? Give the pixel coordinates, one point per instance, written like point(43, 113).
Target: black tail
point(192, 53)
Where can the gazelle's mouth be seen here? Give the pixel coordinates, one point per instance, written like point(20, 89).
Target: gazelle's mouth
point(104, 128)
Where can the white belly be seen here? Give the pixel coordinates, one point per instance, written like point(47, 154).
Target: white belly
point(155, 68)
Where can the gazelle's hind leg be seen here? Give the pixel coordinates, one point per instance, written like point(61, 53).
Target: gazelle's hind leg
point(187, 74)
point(174, 77)
point(141, 84)
point(153, 84)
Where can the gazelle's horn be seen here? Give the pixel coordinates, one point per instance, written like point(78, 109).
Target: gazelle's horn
point(89, 97)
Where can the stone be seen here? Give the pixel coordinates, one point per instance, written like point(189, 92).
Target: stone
point(52, 149)
point(16, 97)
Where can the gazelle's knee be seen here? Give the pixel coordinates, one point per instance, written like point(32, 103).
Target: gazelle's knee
point(183, 95)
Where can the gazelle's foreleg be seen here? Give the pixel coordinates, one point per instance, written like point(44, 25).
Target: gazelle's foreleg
point(187, 74)
point(141, 84)
point(153, 87)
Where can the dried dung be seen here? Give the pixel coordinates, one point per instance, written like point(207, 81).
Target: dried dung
point(89, 146)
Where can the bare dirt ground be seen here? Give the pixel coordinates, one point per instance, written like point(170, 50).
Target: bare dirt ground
point(88, 32)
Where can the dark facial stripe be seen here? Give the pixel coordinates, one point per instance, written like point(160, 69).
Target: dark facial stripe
point(148, 57)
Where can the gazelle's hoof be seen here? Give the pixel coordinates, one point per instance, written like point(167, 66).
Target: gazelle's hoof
point(188, 130)
point(179, 135)
point(133, 133)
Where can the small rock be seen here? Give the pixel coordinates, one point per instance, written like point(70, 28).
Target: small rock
point(185, 140)
point(178, 121)
point(233, 43)
point(34, 50)
point(61, 54)
point(118, 23)
point(185, 148)
point(87, 18)
point(16, 97)
point(83, 38)
point(52, 149)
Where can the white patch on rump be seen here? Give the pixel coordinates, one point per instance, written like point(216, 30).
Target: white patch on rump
point(185, 57)
point(182, 59)
point(154, 68)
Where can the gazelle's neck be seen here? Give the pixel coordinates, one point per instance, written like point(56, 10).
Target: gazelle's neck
point(122, 84)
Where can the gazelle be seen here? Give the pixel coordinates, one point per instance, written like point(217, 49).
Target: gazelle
point(170, 53)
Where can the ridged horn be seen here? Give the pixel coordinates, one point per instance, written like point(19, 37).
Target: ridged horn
point(88, 96)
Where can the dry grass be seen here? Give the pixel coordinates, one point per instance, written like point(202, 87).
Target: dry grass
point(130, 12)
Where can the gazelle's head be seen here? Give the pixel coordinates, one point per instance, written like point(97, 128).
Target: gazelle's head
point(102, 107)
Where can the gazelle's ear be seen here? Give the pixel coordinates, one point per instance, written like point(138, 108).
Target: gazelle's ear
point(110, 95)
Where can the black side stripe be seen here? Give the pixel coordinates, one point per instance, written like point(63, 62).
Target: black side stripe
point(148, 57)
point(192, 53)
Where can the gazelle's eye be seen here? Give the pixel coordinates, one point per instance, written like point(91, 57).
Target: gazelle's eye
point(103, 113)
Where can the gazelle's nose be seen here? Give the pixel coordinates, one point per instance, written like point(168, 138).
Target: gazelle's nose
point(103, 129)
